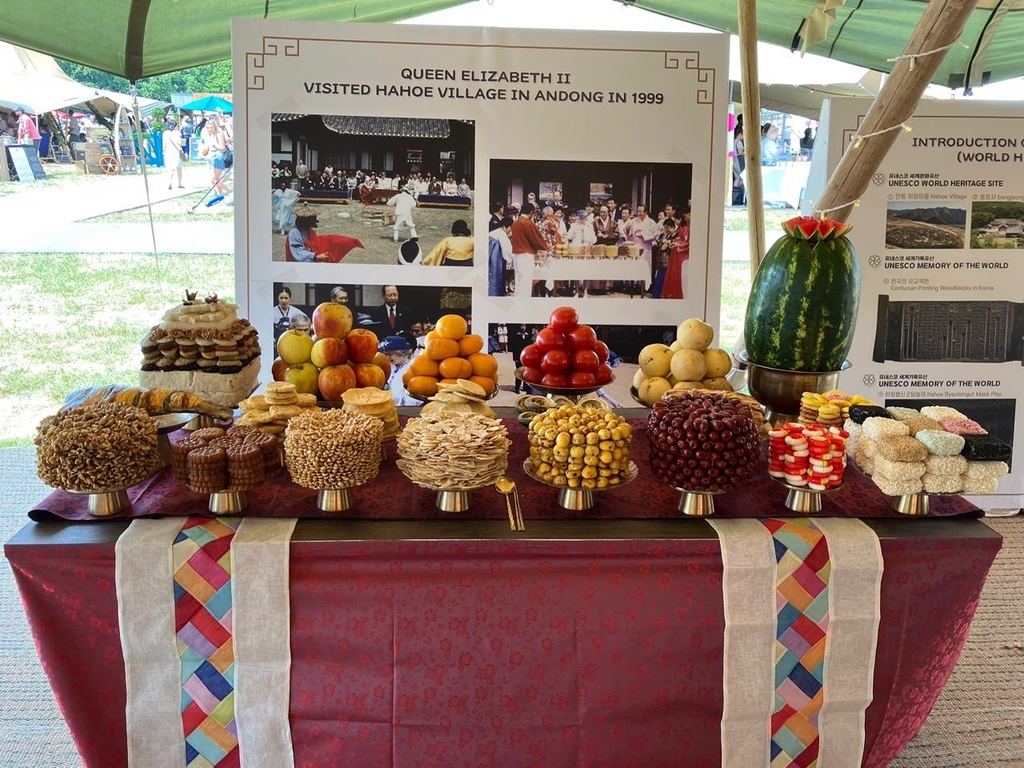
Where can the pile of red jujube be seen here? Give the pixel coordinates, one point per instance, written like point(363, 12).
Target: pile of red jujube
point(811, 455)
point(702, 441)
point(566, 355)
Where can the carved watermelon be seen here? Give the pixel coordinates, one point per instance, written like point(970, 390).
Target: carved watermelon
point(803, 302)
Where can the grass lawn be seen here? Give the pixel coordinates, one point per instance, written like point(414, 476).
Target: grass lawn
point(76, 320)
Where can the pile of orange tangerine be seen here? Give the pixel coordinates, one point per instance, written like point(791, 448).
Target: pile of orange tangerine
point(451, 353)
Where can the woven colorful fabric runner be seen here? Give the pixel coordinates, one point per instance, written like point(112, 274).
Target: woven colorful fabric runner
point(203, 611)
point(803, 571)
point(801, 600)
point(202, 622)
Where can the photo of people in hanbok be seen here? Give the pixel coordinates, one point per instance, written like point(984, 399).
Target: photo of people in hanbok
point(399, 189)
point(589, 229)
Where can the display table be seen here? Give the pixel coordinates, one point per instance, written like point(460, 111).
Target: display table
point(461, 643)
point(419, 637)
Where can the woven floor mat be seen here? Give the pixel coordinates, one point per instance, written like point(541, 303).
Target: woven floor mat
point(978, 720)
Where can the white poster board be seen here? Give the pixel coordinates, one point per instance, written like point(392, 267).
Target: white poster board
point(589, 116)
point(940, 238)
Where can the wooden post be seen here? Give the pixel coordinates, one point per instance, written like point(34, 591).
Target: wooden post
point(941, 25)
point(750, 93)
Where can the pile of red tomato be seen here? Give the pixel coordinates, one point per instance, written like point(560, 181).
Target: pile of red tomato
point(566, 355)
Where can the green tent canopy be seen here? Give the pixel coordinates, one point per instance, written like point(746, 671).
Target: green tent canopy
point(870, 32)
point(140, 38)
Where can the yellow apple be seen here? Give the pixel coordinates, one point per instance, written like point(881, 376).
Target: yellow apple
point(304, 377)
point(294, 347)
point(655, 360)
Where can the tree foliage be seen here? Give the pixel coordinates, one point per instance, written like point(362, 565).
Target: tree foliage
point(209, 78)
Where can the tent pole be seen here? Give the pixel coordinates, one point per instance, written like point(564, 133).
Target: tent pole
point(940, 27)
point(747, 18)
point(142, 159)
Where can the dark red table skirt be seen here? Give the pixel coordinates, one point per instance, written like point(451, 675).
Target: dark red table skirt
point(550, 651)
point(392, 496)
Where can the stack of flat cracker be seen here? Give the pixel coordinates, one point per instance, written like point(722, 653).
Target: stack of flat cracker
point(271, 411)
point(830, 409)
point(374, 402)
point(453, 450)
point(464, 395)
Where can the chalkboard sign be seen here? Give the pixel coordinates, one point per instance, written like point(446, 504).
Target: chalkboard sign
point(23, 160)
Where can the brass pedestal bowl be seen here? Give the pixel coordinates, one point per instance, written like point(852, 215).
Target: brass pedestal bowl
point(779, 391)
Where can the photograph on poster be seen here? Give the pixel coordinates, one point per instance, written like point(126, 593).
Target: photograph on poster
point(997, 224)
point(589, 229)
point(924, 224)
point(387, 310)
point(949, 331)
point(996, 416)
point(372, 190)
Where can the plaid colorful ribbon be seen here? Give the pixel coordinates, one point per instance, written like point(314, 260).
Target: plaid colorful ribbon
point(802, 598)
point(202, 619)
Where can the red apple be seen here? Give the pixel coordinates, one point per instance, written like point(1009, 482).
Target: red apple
point(554, 380)
point(548, 339)
point(384, 363)
point(369, 375)
point(328, 351)
point(603, 374)
point(278, 368)
point(582, 380)
point(362, 345)
point(602, 351)
point(555, 361)
point(531, 356)
point(582, 337)
point(334, 380)
point(303, 376)
point(532, 375)
point(330, 319)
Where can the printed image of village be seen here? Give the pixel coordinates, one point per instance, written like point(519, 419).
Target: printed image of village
point(925, 224)
point(997, 224)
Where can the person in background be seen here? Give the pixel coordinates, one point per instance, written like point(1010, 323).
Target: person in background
point(283, 198)
point(339, 295)
point(400, 353)
point(28, 131)
point(449, 188)
point(302, 174)
point(403, 203)
point(527, 242)
point(739, 165)
point(173, 154)
point(389, 317)
point(216, 144)
point(503, 337)
point(284, 311)
point(643, 231)
point(663, 254)
point(300, 322)
point(674, 283)
point(418, 334)
point(497, 212)
point(186, 135)
point(455, 250)
point(463, 189)
point(769, 144)
point(807, 143)
point(517, 343)
point(304, 244)
point(499, 257)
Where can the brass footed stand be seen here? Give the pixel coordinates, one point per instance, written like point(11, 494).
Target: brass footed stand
point(106, 503)
point(802, 499)
point(911, 504)
point(228, 502)
point(578, 499)
point(334, 499)
point(697, 503)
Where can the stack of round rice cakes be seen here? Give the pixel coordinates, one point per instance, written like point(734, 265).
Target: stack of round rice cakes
point(450, 450)
point(212, 460)
point(374, 402)
point(271, 411)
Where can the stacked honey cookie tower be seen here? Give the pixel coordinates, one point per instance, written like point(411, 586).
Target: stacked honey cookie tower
point(271, 411)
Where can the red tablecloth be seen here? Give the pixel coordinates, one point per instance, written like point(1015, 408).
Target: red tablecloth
point(392, 496)
point(465, 650)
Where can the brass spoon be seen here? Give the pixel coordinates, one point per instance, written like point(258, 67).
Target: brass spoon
point(506, 486)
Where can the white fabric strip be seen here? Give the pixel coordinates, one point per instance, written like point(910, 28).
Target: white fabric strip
point(262, 632)
point(855, 610)
point(145, 612)
point(748, 676)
